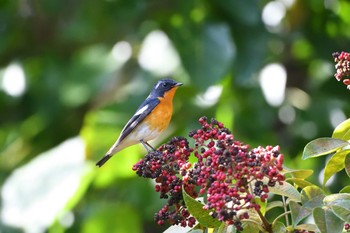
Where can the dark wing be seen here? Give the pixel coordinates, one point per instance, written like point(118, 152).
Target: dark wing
point(145, 108)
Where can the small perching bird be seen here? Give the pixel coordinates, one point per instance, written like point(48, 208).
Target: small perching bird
point(150, 119)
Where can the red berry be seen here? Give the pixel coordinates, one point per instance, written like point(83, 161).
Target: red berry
point(346, 81)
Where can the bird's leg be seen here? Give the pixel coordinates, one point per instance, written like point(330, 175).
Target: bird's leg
point(147, 146)
point(150, 146)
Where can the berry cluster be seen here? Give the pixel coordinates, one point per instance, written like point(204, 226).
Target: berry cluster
point(342, 66)
point(227, 173)
point(165, 165)
point(230, 174)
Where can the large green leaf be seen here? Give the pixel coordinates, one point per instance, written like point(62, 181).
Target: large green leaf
point(250, 227)
point(278, 227)
point(253, 224)
point(340, 204)
point(327, 221)
point(335, 164)
point(298, 212)
point(180, 229)
point(322, 146)
point(347, 164)
point(346, 189)
point(262, 205)
point(300, 173)
point(273, 204)
point(335, 198)
point(224, 229)
point(192, 231)
point(312, 196)
point(342, 210)
point(300, 182)
point(342, 131)
point(307, 227)
point(286, 190)
point(197, 211)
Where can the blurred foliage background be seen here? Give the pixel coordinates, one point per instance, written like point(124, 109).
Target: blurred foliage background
point(73, 72)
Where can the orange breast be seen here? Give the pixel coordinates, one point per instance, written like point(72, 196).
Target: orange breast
point(161, 115)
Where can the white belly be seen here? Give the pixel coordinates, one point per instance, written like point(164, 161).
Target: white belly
point(143, 132)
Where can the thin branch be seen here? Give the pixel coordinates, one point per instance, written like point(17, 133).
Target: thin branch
point(280, 216)
point(267, 225)
point(285, 209)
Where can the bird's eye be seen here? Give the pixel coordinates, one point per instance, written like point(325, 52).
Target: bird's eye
point(165, 84)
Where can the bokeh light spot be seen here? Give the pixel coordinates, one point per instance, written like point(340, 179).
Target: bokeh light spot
point(336, 116)
point(273, 78)
point(286, 114)
point(210, 96)
point(14, 81)
point(273, 13)
point(158, 55)
point(122, 51)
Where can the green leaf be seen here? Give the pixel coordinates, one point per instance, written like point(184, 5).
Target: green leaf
point(192, 231)
point(335, 164)
point(278, 227)
point(346, 189)
point(327, 221)
point(298, 212)
point(261, 204)
point(301, 174)
point(307, 227)
point(224, 229)
point(342, 131)
point(301, 183)
point(180, 229)
point(347, 164)
point(336, 198)
point(254, 223)
point(340, 204)
point(342, 211)
point(322, 146)
point(273, 204)
point(312, 196)
point(250, 227)
point(286, 190)
point(197, 211)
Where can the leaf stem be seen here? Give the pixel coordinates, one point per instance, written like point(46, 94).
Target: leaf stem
point(280, 216)
point(267, 225)
point(285, 209)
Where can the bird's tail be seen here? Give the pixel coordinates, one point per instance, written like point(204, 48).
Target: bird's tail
point(114, 149)
point(103, 160)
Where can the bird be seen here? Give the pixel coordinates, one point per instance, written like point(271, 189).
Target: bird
point(149, 120)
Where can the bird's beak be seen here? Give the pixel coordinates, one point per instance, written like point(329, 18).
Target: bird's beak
point(178, 84)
